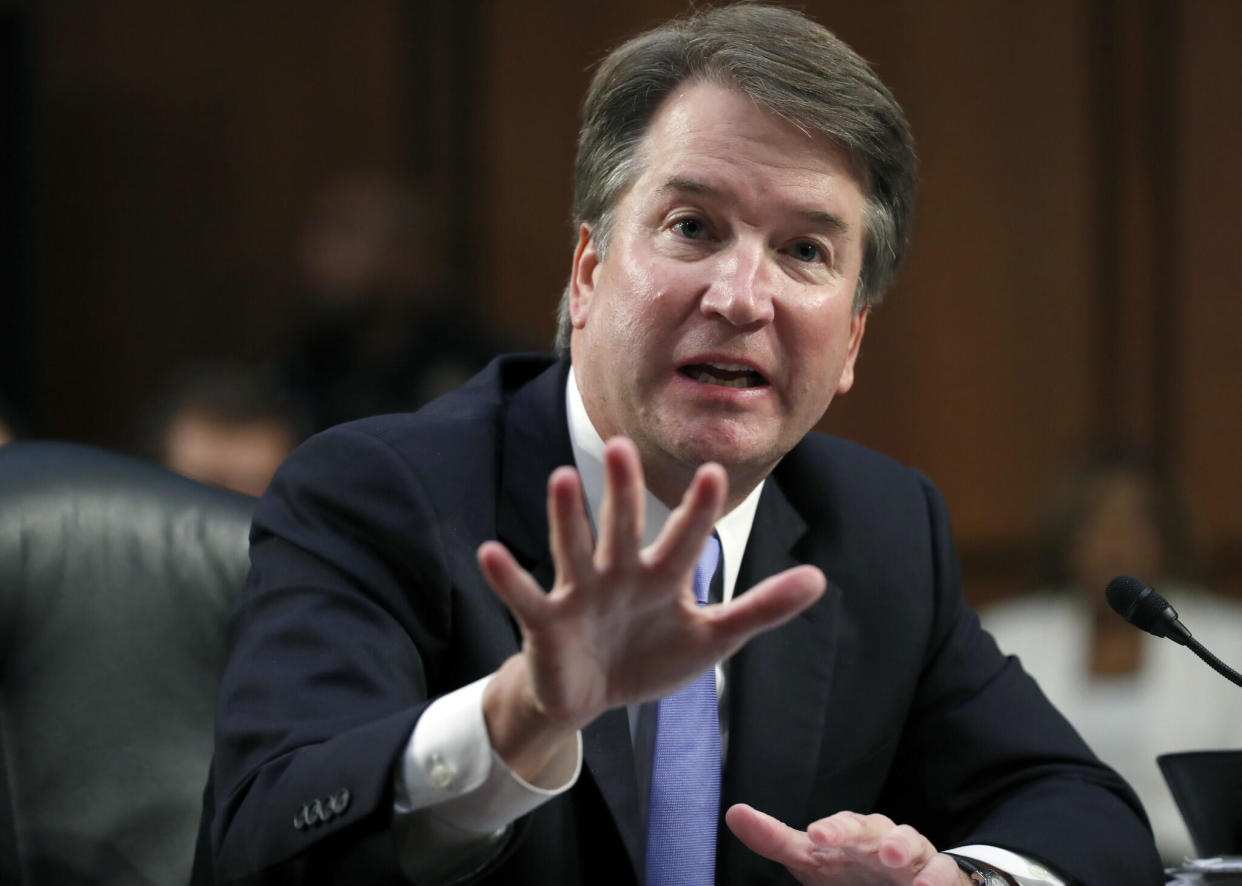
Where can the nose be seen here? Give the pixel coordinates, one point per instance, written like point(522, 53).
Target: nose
point(744, 287)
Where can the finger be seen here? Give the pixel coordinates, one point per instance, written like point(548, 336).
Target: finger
point(569, 530)
point(904, 847)
point(767, 836)
point(772, 602)
point(512, 584)
point(941, 870)
point(849, 830)
point(680, 543)
point(621, 515)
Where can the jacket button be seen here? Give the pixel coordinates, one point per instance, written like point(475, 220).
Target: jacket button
point(339, 801)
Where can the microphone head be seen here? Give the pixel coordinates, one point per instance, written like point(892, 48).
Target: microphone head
point(1124, 593)
point(1141, 606)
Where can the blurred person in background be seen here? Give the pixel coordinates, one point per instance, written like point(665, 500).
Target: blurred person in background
point(222, 425)
point(381, 330)
point(1131, 695)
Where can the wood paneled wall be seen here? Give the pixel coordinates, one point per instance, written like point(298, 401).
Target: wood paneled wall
point(1071, 278)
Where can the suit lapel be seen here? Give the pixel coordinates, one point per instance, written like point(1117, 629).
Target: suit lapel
point(536, 442)
point(778, 693)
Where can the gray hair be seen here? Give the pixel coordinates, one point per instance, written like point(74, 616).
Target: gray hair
point(784, 62)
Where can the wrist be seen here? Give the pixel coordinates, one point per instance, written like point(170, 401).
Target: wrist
point(524, 736)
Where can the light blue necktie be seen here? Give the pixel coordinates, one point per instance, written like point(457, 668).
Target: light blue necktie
point(684, 804)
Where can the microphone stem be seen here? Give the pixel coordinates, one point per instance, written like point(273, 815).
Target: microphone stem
point(1216, 664)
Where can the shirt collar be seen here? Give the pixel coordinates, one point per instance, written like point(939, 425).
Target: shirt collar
point(588, 447)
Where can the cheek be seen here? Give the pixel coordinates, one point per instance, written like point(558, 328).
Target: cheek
point(815, 344)
point(811, 343)
point(642, 305)
point(647, 285)
point(629, 332)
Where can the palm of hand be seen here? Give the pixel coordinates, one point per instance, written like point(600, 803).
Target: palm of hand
point(847, 849)
point(620, 624)
point(826, 865)
point(615, 639)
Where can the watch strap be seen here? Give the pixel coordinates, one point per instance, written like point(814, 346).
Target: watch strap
point(981, 874)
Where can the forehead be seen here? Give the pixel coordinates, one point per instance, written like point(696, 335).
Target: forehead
point(710, 133)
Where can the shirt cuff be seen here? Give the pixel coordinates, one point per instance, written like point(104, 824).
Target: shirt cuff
point(450, 769)
point(1025, 871)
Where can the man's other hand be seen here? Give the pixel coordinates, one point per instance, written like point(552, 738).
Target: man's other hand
point(847, 848)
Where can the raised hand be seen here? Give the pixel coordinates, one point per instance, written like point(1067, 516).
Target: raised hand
point(847, 848)
point(620, 624)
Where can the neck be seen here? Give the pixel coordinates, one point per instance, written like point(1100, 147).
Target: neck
point(669, 483)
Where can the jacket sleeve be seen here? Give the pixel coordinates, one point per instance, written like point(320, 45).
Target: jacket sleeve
point(335, 652)
point(996, 764)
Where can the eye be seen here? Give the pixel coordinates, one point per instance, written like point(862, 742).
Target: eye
point(691, 228)
point(807, 251)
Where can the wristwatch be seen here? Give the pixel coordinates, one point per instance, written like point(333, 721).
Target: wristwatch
point(981, 875)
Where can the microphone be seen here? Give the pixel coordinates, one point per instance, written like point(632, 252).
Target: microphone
point(1141, 606)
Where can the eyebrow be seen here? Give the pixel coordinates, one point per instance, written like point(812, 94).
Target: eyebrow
point(821, 217)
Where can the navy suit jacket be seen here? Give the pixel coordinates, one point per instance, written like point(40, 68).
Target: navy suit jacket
point(365, 603)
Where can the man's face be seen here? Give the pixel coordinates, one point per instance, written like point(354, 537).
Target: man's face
point(719, 324)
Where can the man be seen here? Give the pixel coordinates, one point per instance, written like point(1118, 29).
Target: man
point(744, 187)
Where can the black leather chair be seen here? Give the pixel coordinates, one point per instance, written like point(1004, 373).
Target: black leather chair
point(115, 581)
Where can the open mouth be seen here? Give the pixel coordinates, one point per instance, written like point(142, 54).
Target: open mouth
point(727, 375)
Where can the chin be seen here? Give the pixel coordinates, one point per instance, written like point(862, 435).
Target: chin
point(730, 450)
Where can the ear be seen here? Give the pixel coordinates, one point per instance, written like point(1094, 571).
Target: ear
point(858, 325)
point(582, 277)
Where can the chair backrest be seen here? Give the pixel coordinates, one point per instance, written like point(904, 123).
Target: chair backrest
point(116, 577)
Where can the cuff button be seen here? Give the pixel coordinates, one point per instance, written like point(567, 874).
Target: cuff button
point(442, 773)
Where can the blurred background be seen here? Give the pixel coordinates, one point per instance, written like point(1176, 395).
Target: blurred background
point(198, 184)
